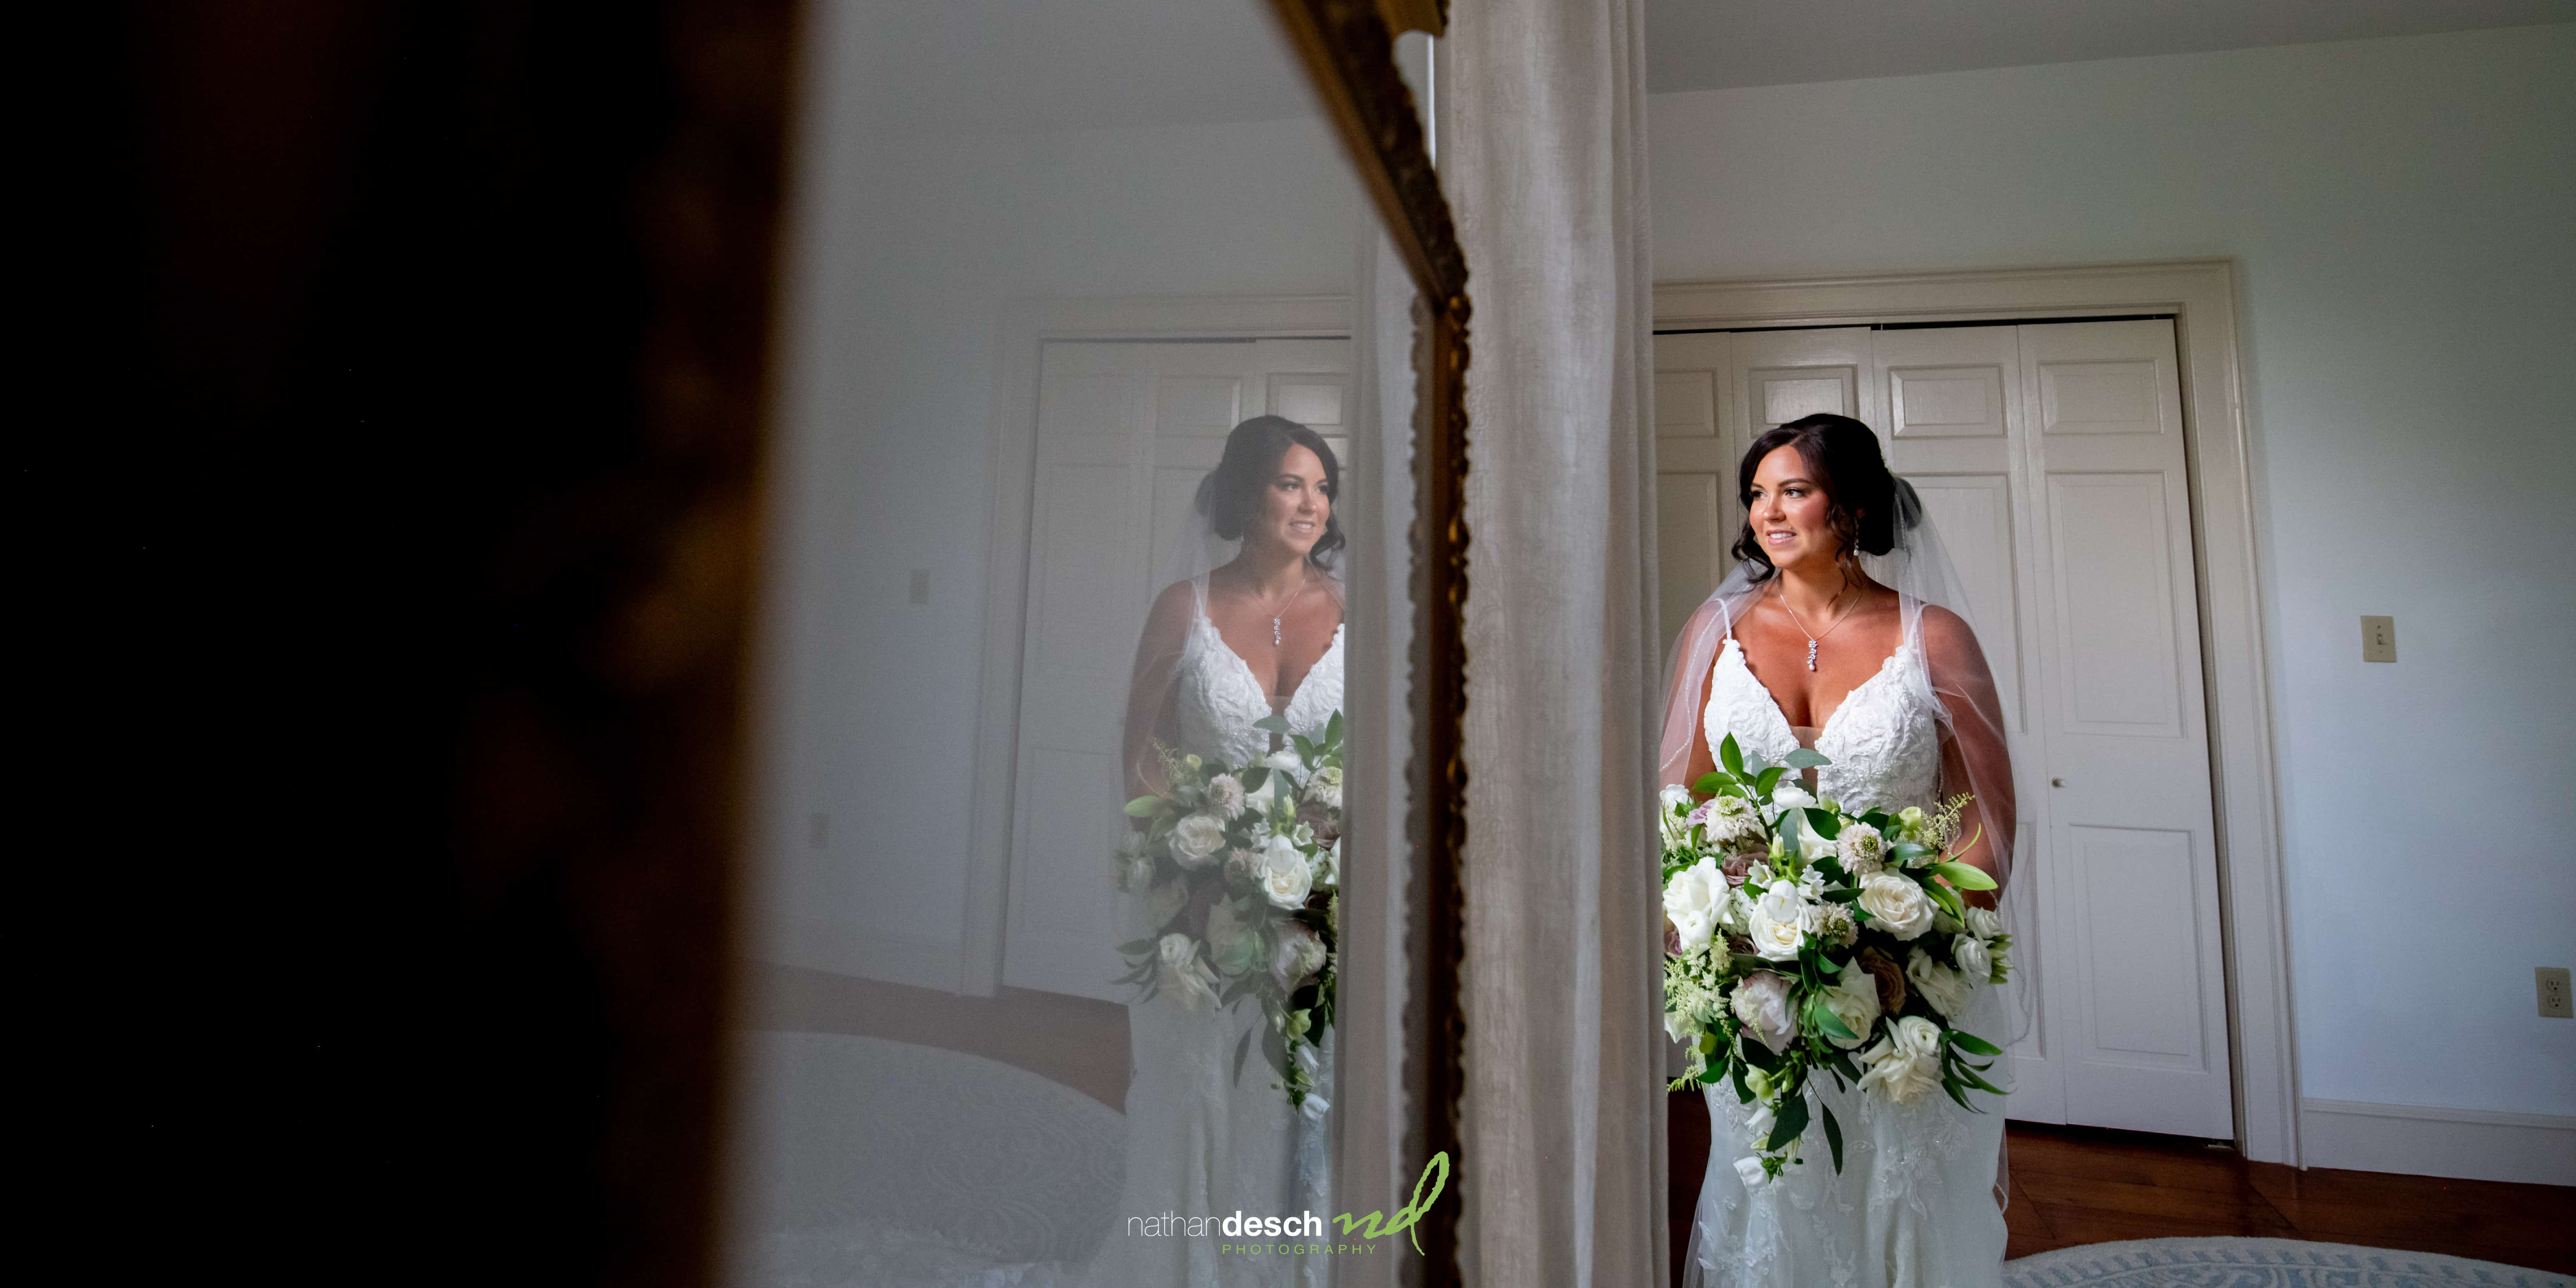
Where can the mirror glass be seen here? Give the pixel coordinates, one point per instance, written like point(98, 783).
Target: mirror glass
point(1080, 773)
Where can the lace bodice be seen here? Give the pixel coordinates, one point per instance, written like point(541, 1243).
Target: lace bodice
point(1884, 740)
point(1220, 698)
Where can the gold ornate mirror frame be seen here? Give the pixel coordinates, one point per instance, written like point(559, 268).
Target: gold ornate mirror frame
point(1348, 47)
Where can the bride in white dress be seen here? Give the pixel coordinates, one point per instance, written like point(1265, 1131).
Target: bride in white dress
point(1836, 632)
point(1257, 635)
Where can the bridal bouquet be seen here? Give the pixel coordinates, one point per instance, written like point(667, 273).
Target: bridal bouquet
point(1240, 870)
point(1814, 938)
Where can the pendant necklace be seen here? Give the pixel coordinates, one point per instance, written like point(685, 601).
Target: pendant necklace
point(1814, 639)
point(1283, 612)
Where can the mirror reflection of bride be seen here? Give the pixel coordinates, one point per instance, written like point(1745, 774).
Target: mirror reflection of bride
point(1251, 629)
point(1842, 629)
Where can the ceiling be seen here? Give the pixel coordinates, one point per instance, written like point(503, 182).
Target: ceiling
point(1722, 44)
point(912, 67)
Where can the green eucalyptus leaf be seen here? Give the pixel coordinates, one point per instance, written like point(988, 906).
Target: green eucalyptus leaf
point(1792, 1123)
point(1967, 1041)
point(1731, 756)
point(1963, 876)
point(1805, 758)
point(1825, 1021)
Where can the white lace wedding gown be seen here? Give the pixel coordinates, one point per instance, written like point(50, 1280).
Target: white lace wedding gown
point(1200, 1142)
point(1915, 1204)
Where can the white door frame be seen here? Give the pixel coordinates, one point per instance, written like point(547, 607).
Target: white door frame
point(2201, 294)
point(1026, 326)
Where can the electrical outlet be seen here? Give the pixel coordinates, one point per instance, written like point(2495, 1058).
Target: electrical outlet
point(2379, 639)
point(2554, 1000)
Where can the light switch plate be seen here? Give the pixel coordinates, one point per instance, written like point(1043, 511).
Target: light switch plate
point(2555, 1003)
point(2379, 639)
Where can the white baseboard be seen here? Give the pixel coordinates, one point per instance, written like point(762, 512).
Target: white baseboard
point(2474, 1144)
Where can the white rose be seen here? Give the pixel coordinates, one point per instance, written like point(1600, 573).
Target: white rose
point(1854, 1000)
point(1184, 976)
point(1196, 839)
point(1984, 923)
point(1325, 788)
point(1970, 952)
point(1944, 988)
point(1286, 877)
point(1917, 1037)
point(1225, 795)
point(1284, 760)
point(1300, 954)
point(1693, 900)
point(1761, 1000)
point(1778, 922)
point(1895, 904)
point(1861, 849)
point(1789, 795)
point(1674, 799)
point(1906, 1063)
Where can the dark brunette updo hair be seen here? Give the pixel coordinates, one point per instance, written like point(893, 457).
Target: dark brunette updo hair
point(1842, 458)
point(1231, 493)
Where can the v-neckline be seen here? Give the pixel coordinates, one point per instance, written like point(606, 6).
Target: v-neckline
point(1737, 648)
point(1255, 676)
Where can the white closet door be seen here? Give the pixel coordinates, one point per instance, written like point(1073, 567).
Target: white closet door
point(1956, 430)
point(1696, 514)
point(1125, 432)
point(2130, 948)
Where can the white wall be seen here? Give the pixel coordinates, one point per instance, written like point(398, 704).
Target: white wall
point(903, 252)
point(2403, 213)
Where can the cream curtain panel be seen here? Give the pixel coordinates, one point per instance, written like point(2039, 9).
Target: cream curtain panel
point(1543, 152)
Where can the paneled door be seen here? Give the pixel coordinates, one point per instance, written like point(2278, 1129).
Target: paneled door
point(2051, 457)
point(1125, 432)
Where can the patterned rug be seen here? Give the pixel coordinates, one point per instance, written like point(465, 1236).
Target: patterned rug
point(2260, 1263)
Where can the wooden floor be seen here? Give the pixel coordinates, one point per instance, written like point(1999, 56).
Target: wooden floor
point(2074, 1185)
point(2070, 1185)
